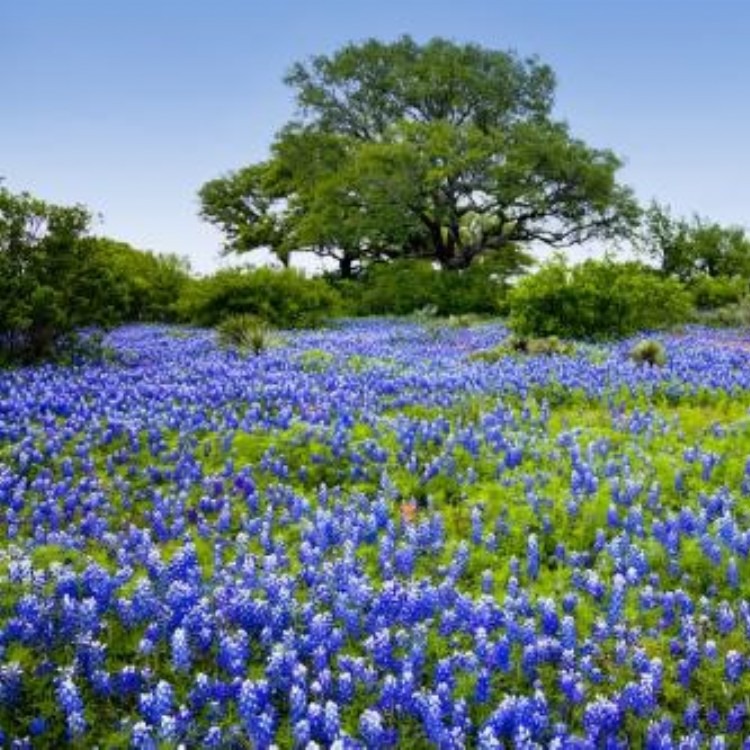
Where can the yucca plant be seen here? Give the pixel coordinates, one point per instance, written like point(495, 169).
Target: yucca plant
point(649, 352)
point(245, 332)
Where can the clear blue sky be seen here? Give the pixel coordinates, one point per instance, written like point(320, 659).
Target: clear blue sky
point(128, 106)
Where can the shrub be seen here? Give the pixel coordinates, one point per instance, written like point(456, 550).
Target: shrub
point(284, 298)
point(464, 320)
point(730, 316)
point(549, 345)
point(649, 352)
point(405, 286)
point(714, 293)
point(148, 285)
point(246, 332)
point(52, 281)
point(398, 288)
point(516, 345)
point(595, 300)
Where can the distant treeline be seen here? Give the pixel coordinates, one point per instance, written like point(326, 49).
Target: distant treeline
point(56, 278)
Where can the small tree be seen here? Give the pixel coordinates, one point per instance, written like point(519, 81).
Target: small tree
point(51, 280)
point(691, 249)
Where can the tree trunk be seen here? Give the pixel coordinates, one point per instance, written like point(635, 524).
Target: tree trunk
point(346, 266)
point(455, 261)
point(41, 339)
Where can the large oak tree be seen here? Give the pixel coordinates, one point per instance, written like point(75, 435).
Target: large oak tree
point(439, 151)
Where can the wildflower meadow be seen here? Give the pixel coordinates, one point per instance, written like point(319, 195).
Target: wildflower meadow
point(376, 536)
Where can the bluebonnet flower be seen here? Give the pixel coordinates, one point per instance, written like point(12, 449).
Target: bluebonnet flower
point(213, 738)
point(331, 722)
point(181, 658)
point(711, 649)
point(371, 728)
point(168, 728)
point(234, 651)
point(297, 702)
point(617, 599)
point(11, 681)
point(487, 582)
point(549, 618)
point(302, 733)
point(71, 704)
point(253, 704)
point(734, 665)
point(601, 718)
point(691, 716)
point(156, 704)
point(572, 687)
point(532, 557)
point(142, 738)
point(736, 718)
point(38, 726)
point(725, 619)
point(477, 529)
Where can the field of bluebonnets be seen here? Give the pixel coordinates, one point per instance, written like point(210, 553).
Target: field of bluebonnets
point(371, 537)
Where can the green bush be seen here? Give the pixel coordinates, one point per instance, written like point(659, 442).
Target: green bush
point(398, 288)
point(52, 280)
point(147, 285)
point(549, 345)
point(516, 345)
point(596, 300)
point(729, 316)
point(405, 286)
point(283, 298)
point(713, 293)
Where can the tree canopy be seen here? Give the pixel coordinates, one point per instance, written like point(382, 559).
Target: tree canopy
point(689, 249)
point(56, 278)
point(49, 283)
point(438, 151)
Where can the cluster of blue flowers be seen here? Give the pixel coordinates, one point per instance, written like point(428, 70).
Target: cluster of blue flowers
point(392, 545)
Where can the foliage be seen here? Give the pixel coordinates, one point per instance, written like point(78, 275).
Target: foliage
point(595, 299)
point(51, 280)
point(548, 345)
point(86, 346)
point(690, 249)
point(650, 352)
point(402, 287)
point(55, 279)
point(245, 332)
point(245, 206)
point(147, 285)
point(735, 315)
point(316, 360)
point(438, 151)
point(515, 345)
point(284, 298)
point(713, 292)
